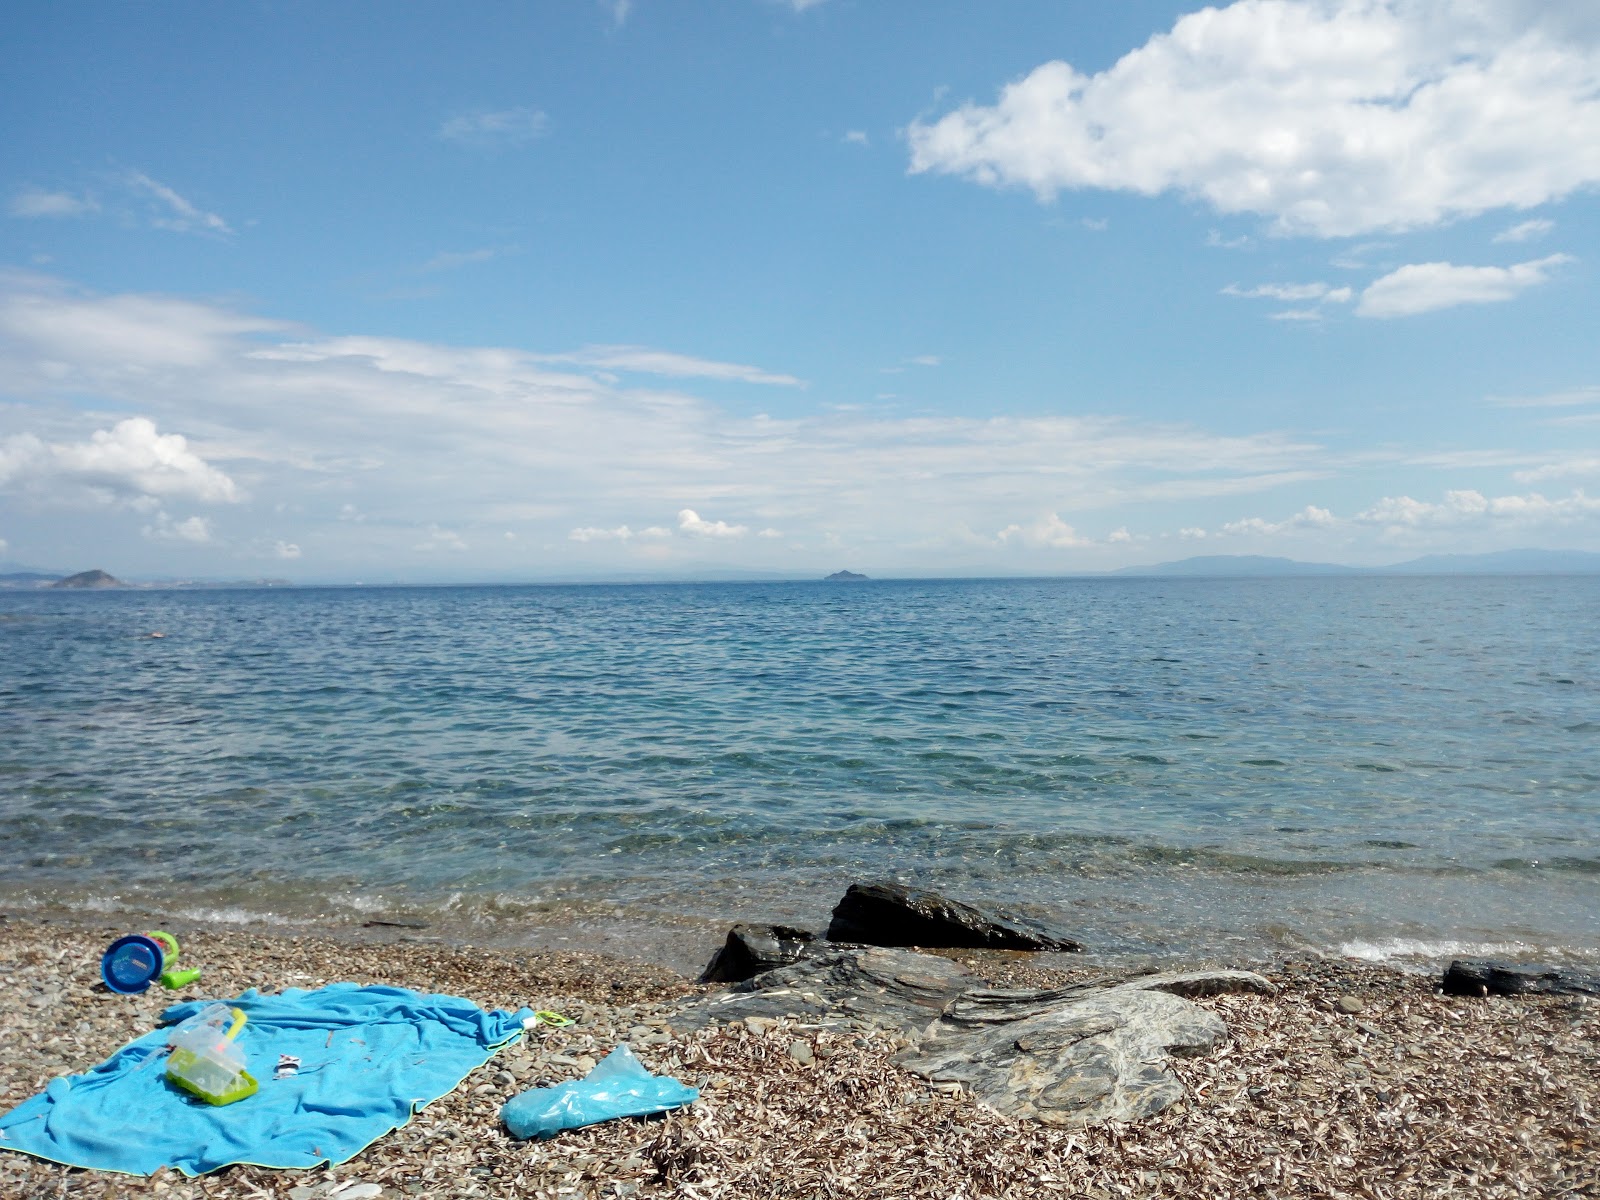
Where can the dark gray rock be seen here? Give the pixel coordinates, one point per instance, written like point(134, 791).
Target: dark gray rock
point(1478, 977)
point(889, 914)
point(882, 988)
point(753, 949)
point(1099, 1057)
point(1094, 1051)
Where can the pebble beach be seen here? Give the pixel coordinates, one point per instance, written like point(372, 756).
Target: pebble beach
point(1352, 1081)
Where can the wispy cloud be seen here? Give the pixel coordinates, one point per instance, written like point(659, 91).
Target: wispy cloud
point(644, 360)
point(450, 260)
point(855, 137)
point(1526, 231)
point(37, 202)
point(617, 10)
point(1569, 398)
point(491, 129)
point(1291, 292)
point(1428, 287)
point(169, 210)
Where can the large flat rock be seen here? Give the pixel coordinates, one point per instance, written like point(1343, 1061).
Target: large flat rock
point(1101, 1057)
point(876, 986)
point(1093, 1051)
point(1479, 977)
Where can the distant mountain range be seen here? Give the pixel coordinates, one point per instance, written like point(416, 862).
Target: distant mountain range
point(1501, 562)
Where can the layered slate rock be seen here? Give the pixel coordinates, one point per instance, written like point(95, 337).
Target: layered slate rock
point(875, 987)
point(753, 949)
point(1077, 1055)
point(1479, 977)
point(890, 914)
point(1093, 1051)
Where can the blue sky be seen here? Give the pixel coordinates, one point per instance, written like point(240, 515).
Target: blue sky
point(388, 291)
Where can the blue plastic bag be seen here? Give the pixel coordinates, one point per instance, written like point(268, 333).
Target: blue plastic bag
point(619, 1087)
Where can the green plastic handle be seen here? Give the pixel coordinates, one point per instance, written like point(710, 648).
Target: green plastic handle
point(173, 980)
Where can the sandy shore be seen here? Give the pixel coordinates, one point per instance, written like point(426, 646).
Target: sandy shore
point(1413, 1095)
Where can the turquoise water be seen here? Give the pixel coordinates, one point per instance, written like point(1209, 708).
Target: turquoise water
point(1384, 766)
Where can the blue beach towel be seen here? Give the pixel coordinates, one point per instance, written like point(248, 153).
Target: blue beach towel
point(370, 1058)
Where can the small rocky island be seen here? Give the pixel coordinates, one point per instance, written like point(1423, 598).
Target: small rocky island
point(89, 579)
point(844, 577)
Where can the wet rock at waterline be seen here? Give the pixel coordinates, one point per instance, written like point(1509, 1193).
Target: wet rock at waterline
point(890, 914)
point(753, 949)
point(1476, 977)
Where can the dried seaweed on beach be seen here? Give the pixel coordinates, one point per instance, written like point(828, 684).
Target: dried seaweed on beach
point(1353, 1082)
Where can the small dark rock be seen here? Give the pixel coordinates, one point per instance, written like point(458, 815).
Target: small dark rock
point(1478, 977)
point(753, 949)
point(889, 914)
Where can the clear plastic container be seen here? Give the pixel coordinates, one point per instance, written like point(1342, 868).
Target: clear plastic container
point(205, 1061)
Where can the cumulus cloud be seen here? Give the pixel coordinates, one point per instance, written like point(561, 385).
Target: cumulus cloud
point(692, 523)
point(1328, 117)
point(195, 530)
point(502, 127)
point(37, 202)
point(1525, 231)
point(286, 549)
point(1468, 507)
point(1427, 287)
point(1310, 517)
point(128, 464)
point(1048, 532)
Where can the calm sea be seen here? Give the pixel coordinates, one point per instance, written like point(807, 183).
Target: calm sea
point(1402, 768)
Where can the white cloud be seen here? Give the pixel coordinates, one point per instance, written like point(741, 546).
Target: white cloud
point(449, 260)
point(770, 533)
point(195, 530)
point(1467, 507)
point(1296, 314)
point(617, 10)
point(505, 127)
point(1193, 532)
point(1570, 398)
point(36, 202)
point(128, 464)
point(1292, 292)
point(1048, 532)
point(1310, 517)
point(692, 523)
point(1427, 287)
point(1570, 468)
point(472, 438)
point(438, 538)
point(801, 5)
point(286, 549)
point(856, 137)
point(1330, 117)
point(926, 360)
point(621, 533)
point(643, 360)
point(172, 211)
point(1526, 231)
